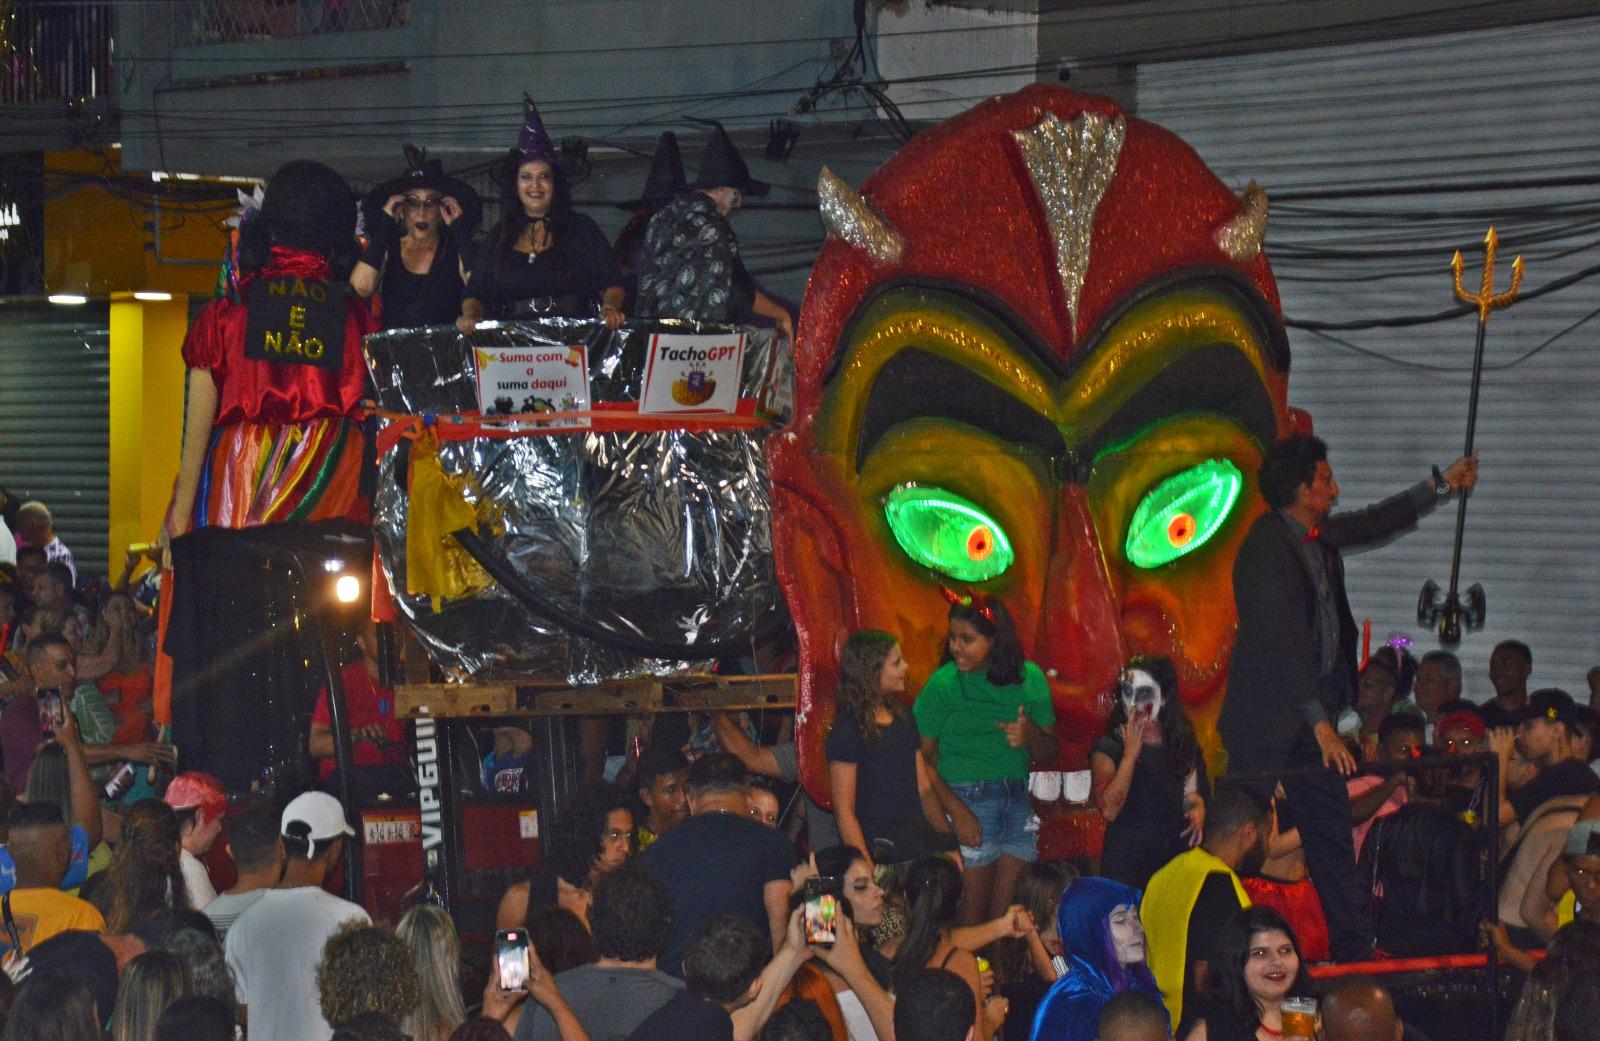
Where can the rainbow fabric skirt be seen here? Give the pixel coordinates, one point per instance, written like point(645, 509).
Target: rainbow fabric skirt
point(281, 473)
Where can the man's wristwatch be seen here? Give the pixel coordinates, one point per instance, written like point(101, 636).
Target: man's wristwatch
point(1441, 487)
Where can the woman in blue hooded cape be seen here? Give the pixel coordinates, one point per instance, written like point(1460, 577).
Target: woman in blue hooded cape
point(1095, 973)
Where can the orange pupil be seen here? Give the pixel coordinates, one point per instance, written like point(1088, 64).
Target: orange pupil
point(980, 544)
point(1180, 530)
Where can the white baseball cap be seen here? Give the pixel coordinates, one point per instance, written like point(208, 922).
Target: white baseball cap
point(321, 812)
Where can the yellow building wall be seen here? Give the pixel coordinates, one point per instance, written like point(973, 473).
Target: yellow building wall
point(96, 242)
point(147, 380)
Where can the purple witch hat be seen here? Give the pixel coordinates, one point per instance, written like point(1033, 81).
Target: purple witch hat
point(533, 142)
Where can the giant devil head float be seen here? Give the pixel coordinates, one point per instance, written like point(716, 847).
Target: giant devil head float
point(1040, 357)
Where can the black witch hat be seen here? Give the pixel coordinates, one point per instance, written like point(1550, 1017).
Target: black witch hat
point(721, 166)
point(666, 180)
point(426, 173)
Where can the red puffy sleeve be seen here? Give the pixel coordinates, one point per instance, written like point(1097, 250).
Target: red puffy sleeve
point(205, 346)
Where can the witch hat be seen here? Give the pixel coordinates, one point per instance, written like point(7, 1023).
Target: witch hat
point(423, 172)
point(721, 166)
point(533, 141)
point(666, 180)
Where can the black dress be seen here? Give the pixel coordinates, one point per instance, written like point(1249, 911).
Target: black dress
point(566, 280)
point(1221, 1023)
point(433, 298)
point(1148, 830)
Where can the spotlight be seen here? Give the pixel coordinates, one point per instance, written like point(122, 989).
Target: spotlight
point(67, 299)
point(152, 295)
point(347, 589)
point(781, 138)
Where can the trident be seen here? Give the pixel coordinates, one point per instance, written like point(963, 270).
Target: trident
point(1451, 610)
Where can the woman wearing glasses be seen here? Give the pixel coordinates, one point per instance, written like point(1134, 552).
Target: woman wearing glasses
point(419, 233)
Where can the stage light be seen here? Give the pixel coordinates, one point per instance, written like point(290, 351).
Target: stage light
point(67, 299)
point(152, 295)
point(347, 589)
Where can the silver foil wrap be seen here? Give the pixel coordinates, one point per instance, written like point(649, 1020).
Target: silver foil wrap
point(653, 541)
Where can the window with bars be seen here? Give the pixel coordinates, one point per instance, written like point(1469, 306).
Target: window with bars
point(245, 21)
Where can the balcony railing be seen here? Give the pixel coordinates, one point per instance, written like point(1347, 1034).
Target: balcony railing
point(55, 52)
point(246, 21)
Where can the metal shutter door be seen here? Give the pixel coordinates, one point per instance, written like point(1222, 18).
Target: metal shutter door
point(55, 386)
point(1373, 119)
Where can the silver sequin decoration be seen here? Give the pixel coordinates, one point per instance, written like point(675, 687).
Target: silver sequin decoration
point(1071, 165)
point(846, 214)
point(662, 535)
point(1241, 236)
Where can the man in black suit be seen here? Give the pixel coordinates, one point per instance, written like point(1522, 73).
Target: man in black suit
point(1294, 662)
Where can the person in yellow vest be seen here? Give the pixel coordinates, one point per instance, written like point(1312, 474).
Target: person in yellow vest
point(1189, 900)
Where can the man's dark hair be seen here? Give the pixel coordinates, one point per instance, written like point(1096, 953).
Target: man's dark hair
point(717, 773)
point(1233, 806)
point(1449, 662)
point(253, 835)
point(1359, 993)
point(26, 815)
point(42, 643)
point(195, 1018)
point(1517, 647)
point(934, 1005)
point(31, 551)
point(579, 832)
point(724, 956)
point(1401, 721)
point(56, 570)
point(630, 915)
point(1133, 1014)
point(798, 1020)
point(370, 1026)
point(1289, 464)
point(659, 758)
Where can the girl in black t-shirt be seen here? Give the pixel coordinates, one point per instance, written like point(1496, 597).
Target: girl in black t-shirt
point(881, 785)
point(1258, 964)
point(1147, 775)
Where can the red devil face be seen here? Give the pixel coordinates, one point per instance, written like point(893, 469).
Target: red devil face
point(1054, 388)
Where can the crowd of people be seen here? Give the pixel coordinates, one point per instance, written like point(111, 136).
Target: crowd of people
point(677, 904)
point(673, 905)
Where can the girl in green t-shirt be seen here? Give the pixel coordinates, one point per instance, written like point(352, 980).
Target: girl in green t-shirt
point(985, 718)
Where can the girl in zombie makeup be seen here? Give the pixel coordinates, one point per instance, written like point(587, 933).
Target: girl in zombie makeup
point(986, 718)
point(1103, 941)
point(1149, 780)
point(881, 785)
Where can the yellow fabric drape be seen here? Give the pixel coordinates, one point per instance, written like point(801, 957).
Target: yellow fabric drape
point(437, 504)
point(1168, 900)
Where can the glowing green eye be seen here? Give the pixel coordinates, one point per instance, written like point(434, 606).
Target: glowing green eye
point(1180, 514)
point(943, 531)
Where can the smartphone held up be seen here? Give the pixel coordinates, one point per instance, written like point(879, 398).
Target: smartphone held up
point(821, 910)
point(511, 947)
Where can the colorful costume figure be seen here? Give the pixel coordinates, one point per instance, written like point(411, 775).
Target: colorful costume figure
point(270, 439)
point(1039, 351)
point(283, 446)
point(1095, 975)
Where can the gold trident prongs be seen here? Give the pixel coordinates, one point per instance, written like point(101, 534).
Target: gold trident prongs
point(1486, 299)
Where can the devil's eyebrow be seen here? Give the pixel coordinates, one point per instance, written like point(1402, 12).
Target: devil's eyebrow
point(1216, 378)
point(917, 384)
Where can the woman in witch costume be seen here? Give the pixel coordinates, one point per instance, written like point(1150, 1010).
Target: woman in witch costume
point(419, 235)
point(542, 259)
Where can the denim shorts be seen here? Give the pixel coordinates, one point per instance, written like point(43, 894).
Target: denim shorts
point(1003, 812)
